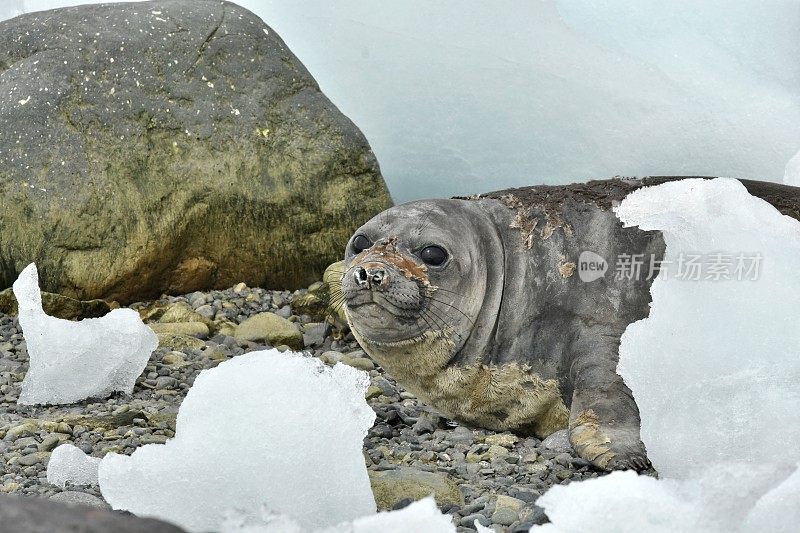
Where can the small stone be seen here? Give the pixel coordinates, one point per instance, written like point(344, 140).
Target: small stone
point(180, 312)
point(271, 328)
point(558, 442)
point(361, 363)
point(507, 440)
point(537, 470)
point(179, 342)
point(373, 392)
point(496, 452)
point(154, 439)
point(240, 288)
point(49, 443)
point(506, 510)
point(30, 459)
point(190, 329)
point(25, 429)
point(461, 435)
point(206, 311)
point(426, 423)
point(314, 333)
point(284, 312)
point(331, 357)
point(10, 487)
point(226, 327)
point(563, 474)
point(173, 359)
point(469, 520)
point(74, 497)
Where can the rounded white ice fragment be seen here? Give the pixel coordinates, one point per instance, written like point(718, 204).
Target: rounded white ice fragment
point(267, 430)
point(69, 463)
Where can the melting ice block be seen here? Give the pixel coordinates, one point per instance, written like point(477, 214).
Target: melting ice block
point(722, 499)
point(68, 463)
point(714, 370)
point(791, 176)
point(70, 361)
point(422, 515)
point(263, 432)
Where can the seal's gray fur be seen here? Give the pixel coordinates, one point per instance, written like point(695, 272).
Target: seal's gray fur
point(505, 334)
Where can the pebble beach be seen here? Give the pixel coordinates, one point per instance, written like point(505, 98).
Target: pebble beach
point(411, 450)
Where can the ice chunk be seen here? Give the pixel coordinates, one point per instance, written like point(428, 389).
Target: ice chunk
point(725, 388)
point(791, 176)
point(721, 499)
point(422, 515)
point(68, 463)
point(779, 510)
point(714, 370)
point(620, 502)
point(265, 430)
point(70, 361)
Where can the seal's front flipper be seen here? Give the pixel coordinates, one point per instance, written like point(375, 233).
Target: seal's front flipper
point(604, 418)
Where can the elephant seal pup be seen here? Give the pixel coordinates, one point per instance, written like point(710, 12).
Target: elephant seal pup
point(476, 306)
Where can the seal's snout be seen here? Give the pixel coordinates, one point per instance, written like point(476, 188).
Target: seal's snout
point(371, 275)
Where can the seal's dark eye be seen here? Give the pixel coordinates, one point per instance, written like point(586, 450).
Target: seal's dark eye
point(361, 243)
point(433, 255)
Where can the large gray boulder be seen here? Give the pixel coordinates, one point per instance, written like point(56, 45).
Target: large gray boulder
point(36, 515)
point(170, 146)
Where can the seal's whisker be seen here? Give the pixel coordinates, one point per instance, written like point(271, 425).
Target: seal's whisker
point(442, 323)
point(427, 323)
point(453, 307)
point(454, 293)
point(421, 226)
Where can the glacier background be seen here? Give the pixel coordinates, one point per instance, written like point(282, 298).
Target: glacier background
point(456, 98)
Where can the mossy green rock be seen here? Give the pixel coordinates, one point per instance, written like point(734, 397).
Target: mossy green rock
point(392, 486)
point(183, 149)
point(271, 328)
point(58, 306)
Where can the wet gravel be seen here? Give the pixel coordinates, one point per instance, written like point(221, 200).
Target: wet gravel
point(499, 475)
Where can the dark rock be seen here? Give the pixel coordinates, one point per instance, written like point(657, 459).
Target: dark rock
point(74, 498)
point(170, 146)
point(34, 515)
point(402, 504)
point(58, 306)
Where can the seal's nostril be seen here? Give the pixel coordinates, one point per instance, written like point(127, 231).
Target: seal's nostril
point(360, 275)
point(378, 276)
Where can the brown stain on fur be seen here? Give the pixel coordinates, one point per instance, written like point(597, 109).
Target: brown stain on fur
point(500, 397)
point(589, 441)
point(387, 252)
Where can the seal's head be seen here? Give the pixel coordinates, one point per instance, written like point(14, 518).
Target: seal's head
point(415, 282)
